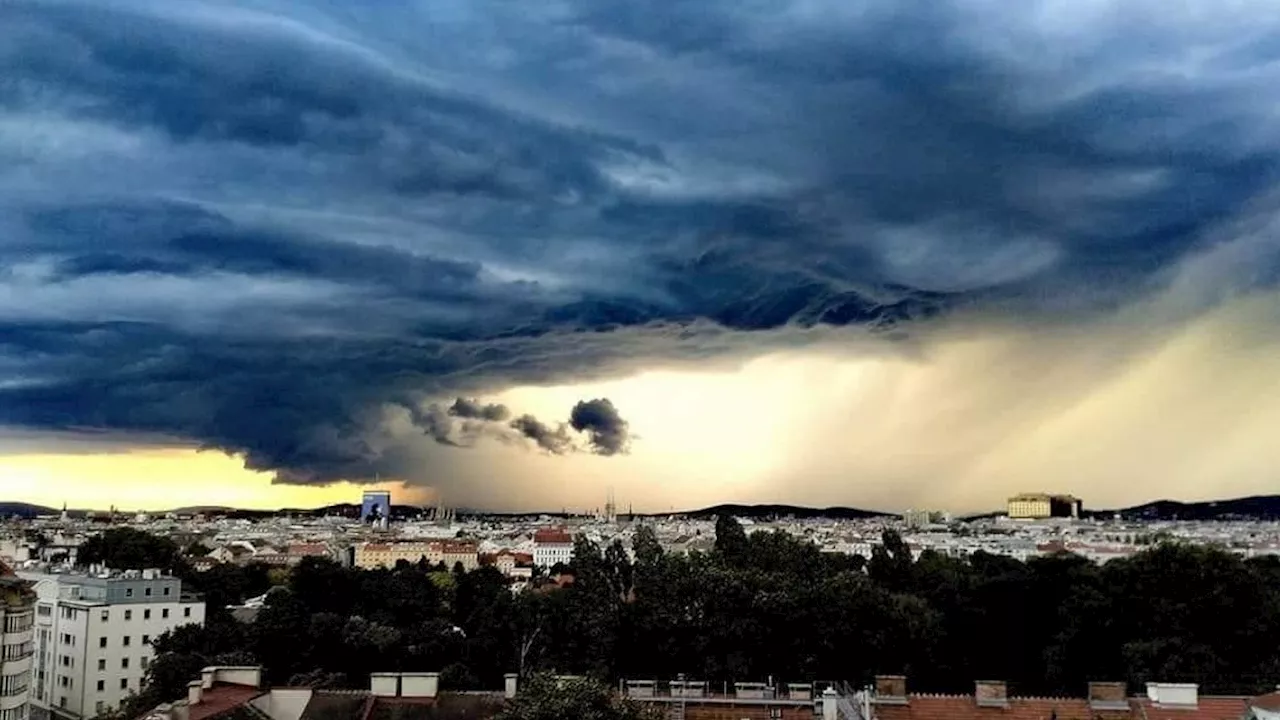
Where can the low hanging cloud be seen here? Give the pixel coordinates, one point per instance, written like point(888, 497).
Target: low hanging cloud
point(272, 251)
point(607, 432)
point(470, 408)
point(555, 440)
point(467, 420)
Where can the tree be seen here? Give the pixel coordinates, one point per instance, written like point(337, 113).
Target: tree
point(731, 539)
point(197, 549)
point(543, 697)
point(125, 548)
point(646, 547)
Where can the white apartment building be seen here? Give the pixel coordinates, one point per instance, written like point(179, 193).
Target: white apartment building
point(551, 546)
point(17, 619)
point(93, 636)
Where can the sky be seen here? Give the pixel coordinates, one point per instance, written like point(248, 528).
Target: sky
point(878, 253)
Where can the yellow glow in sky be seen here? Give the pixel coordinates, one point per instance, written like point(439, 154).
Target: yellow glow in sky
point(1119, 411)
point(159, 479)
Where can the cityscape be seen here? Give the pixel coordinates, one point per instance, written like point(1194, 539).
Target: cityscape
point(83, 626)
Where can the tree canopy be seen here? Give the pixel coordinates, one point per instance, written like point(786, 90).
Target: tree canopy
point(760, 605)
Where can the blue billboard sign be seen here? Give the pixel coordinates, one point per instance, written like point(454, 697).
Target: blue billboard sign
point(375, 506)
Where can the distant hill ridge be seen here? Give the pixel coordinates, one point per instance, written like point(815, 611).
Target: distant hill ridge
point(1257, 507)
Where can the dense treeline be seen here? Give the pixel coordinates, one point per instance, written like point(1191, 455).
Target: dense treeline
point(758, 606)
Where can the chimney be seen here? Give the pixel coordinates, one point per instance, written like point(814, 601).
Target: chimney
point(1108, 696)
point(1174, 695)
point(991, 693)
point(511, 681)
point(413, 684)
point(195, 691)
point(891, 689)
point(830, 704)
point(384, 684)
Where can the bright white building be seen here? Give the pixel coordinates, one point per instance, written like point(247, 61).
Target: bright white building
point(551, 546)
point(93, 636)
point(17, 619)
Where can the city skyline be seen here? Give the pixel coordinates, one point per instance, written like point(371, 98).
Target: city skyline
point(267, 253)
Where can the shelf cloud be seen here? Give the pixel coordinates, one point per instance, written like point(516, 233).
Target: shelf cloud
point(284, 229)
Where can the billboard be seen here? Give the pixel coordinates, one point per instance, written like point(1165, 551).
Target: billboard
point(375, 506)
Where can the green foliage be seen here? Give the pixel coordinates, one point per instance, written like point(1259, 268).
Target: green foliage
point(197, 549)
point(760, 605)
point(544, 697)
point(129, 549)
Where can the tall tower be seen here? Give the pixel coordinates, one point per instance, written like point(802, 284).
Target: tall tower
point(610, 509)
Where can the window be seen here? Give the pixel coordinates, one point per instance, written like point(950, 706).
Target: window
point(128, 614)
point(17, 651)
point(126, 641)
point(186, 612)
point(11, 685)
point(19, 622)
point(102, 642)
point(17, 713)
point(102, 664)
point(146, 661)
point(102, 685)
point(124, 683)
point(164, 613)
point(146, 639)
point(44, 611)
point(167, 589)
point(146, 614)
point(106, 615)
point(62, 701)
point(99, 706)
point(124, 663)
point(128, 592)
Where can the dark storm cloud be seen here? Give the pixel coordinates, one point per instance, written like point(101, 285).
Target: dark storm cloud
point(273, 228)
point(608, 433)
point(472, 408)
point(555, 440)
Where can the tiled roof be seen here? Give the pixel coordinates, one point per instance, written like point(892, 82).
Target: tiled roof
point(220, 699)
point(552, 537)
point(358, 705)
point(963, 707)
point(325, 705)
point(1208, 708)
point(1270, 701)
point(445, 707)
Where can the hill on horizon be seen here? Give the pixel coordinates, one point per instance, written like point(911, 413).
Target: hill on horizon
point(1254, 507)
point(25, 510)
point(1259, 507)
point(776, 510)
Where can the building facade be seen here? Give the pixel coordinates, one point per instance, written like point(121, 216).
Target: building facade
point(371, 555)
point(17, 630)
point(93, 636)
point(1037, 506)
point(551, 546)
